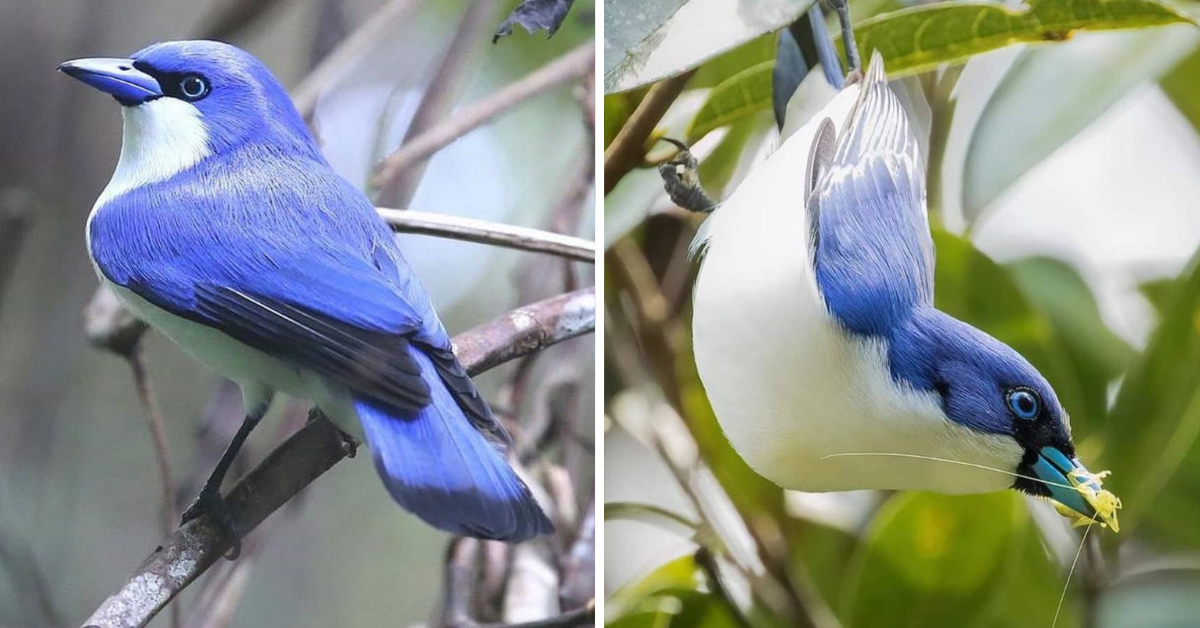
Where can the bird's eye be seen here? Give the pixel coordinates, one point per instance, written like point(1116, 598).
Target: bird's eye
point(1024, 404)
point(193, 87)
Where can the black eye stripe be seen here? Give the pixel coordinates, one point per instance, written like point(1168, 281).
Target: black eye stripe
point(175, 84)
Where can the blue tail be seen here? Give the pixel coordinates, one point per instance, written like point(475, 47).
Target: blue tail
point(440, 467)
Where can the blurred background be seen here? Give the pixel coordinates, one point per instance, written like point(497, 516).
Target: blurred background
point(1064, 181)
point(79, 482)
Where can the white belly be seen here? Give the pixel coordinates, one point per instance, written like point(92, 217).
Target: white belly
point(788, 386)
point(257, 373)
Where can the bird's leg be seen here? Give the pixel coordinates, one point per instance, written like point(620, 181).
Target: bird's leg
point(854, 69)
point(210, 501)
point(681, 178)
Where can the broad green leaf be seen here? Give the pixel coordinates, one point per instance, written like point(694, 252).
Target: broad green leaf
point(653, 515)
point(972, 287)
point(617, 109)
point(714, 71)
point(823, 552)
point(735, 148)
point(932, 560)
point(1155, 419)
point(1050, 94)
point(1029, 594)
point(679, 574)
point(1183, 88)
point(1096, 354)
point(695, 32)
point(738, 96)
point(920, 38)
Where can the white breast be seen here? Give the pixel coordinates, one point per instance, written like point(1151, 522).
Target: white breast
point(788, 386)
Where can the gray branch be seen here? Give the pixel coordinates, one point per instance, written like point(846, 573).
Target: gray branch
point(312, 451)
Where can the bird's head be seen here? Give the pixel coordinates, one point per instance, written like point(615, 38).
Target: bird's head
point(213, 93)
point(986, 386)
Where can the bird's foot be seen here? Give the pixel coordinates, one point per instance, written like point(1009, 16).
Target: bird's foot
point(681, 178)
point(211, 503)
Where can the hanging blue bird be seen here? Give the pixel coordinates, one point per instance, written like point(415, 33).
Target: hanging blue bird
point(224, 228)
point(816, 337)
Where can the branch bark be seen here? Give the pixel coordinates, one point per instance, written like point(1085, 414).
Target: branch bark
point(628, 148)
point(312, 451)
point(572, 66)
point(484, 232)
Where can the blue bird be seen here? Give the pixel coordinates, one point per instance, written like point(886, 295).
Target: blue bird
point(820, 349)
point(224, 228)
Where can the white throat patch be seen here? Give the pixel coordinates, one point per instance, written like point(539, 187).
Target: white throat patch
point(161, 138)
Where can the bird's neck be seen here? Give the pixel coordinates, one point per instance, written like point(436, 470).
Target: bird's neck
point(160, 139)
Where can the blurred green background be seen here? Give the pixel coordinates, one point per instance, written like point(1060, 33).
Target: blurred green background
point(79, 490)
point(1064, 192)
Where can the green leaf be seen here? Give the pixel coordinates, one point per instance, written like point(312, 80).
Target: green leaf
point(1155, 419)
point(654, 515)
point(1051, 94)
point(920, 38)
point(679, 574)
point(736, 148)
point(695, 32)
point(738, 96)
point(1095, 354)
point(1183, 89)
point(932, 560)
point(714, 71)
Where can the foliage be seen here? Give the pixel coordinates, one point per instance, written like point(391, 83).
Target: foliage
point(919, 559)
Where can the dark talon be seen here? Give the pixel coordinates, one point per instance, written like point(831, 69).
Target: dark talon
point(681, 179)
point(212, 504)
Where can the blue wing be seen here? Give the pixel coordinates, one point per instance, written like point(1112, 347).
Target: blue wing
point(304, 271)
point(873, 254)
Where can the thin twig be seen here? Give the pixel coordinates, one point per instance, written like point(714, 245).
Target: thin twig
point(373, 30)
point(312, 451)
point(628, 148)
point(438, 98)
point(585, 616)
point(708, 563)
point(571, 66)
point(484, 232)
point(458, 582)
point(15, 211)
point(158, 434)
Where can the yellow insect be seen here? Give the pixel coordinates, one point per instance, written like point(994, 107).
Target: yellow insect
point(1091, 487)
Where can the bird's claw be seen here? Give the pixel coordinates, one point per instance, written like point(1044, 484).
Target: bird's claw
point(211, 503)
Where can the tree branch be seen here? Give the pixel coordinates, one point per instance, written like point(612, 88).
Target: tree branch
point(628, 148)
point(572, 66)
point(312, 451)
point(484, 232)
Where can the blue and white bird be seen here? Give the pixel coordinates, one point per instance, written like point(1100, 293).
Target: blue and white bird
point(224, 228)
point(818, 344)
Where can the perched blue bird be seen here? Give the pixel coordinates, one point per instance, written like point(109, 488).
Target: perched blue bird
point(224, 228)
point(819, 347)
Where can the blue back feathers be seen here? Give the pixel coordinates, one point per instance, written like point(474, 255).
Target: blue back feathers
point(264, 242)
point(873, 259)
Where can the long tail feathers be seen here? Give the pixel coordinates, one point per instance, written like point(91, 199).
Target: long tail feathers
point(438, 466)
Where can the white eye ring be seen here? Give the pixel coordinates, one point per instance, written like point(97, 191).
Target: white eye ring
point(193, 86)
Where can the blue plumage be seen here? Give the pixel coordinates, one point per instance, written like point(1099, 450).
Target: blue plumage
point(253, 235)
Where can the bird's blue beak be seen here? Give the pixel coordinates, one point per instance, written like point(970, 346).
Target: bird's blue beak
point(1053, 467)
point(117, 77)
